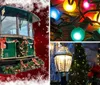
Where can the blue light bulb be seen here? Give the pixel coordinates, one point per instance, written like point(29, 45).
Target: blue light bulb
point(55, 13)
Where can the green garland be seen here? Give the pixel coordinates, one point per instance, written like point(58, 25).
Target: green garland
point(14, 69)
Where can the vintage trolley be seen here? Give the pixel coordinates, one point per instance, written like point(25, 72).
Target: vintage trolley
point(17, 40)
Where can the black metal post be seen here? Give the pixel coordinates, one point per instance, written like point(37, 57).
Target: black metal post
point(63, 79)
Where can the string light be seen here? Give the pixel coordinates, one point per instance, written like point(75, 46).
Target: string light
point(95, 18)
point(82, 62)
point(79, 17)
point(55, 13)
point(86, 4)
point(98, 30)
point(77, 34)
point(69, 7)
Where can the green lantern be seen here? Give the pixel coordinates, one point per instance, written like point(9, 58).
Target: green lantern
point(77, 34)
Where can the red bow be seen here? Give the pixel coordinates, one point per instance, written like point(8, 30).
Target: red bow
point(23, 64)
point(94, 70)
point(2, 43)
point(35, 61)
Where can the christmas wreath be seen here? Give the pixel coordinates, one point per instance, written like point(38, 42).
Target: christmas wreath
point(22, 48)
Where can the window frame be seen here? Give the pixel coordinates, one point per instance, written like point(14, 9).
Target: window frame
point(17, 29)
point(2, 28)
point(30, 30)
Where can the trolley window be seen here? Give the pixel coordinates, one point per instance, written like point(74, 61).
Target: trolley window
point(31, 30)
point(23, 27)
point(8, 25)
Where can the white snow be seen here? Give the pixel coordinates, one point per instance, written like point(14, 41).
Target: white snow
point(26, 4)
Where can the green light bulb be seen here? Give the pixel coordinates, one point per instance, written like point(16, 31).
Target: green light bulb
point(77, 34)
point(98, 30)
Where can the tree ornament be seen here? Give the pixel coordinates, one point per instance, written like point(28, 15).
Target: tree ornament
point(35, 61)
point(3, 11)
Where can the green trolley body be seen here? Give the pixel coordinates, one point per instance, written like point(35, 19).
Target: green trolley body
point(16, 26)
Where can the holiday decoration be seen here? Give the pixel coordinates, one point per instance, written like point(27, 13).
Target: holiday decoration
point(3, 11)
point(96, 17)
point(23, 48)
point(2, 43)
point(94, 75)
point(79, 66)
point(55, 13)
point(99, 30)
point(35, 61)
point(69, 5)
point(38, 39)
point(85, 67)
point(78, 34)
point(22, 67)
point(86, 4)
point(17, 52)
point(2, 46)
point(94, 72)
point(82, 14)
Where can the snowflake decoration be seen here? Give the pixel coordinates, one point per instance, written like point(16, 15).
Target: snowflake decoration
point(42, 13)
point(37, 11)
point(43, 68)
point(47, 21)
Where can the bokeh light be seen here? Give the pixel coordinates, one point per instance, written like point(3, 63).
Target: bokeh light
point(95, 18)
point(98, 30)
point(55, 13)
point(69, 8)
point(86, 4)
point(77, 34)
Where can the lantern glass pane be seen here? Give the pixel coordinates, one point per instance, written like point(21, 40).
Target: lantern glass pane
point(63, 63)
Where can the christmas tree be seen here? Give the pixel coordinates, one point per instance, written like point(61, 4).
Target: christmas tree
point(79, 68)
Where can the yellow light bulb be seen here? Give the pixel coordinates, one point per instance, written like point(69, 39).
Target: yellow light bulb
point(69, 8)
point(95, 18)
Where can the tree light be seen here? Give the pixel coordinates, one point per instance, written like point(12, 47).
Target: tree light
point(95, 18)
point(55, 13)
point(69, 8)
point(86, 5)
point(77, 34)
point(98, 30)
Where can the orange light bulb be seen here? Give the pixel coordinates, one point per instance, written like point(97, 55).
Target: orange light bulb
point(95, 18)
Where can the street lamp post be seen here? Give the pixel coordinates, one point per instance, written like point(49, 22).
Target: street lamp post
point(63, 60)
